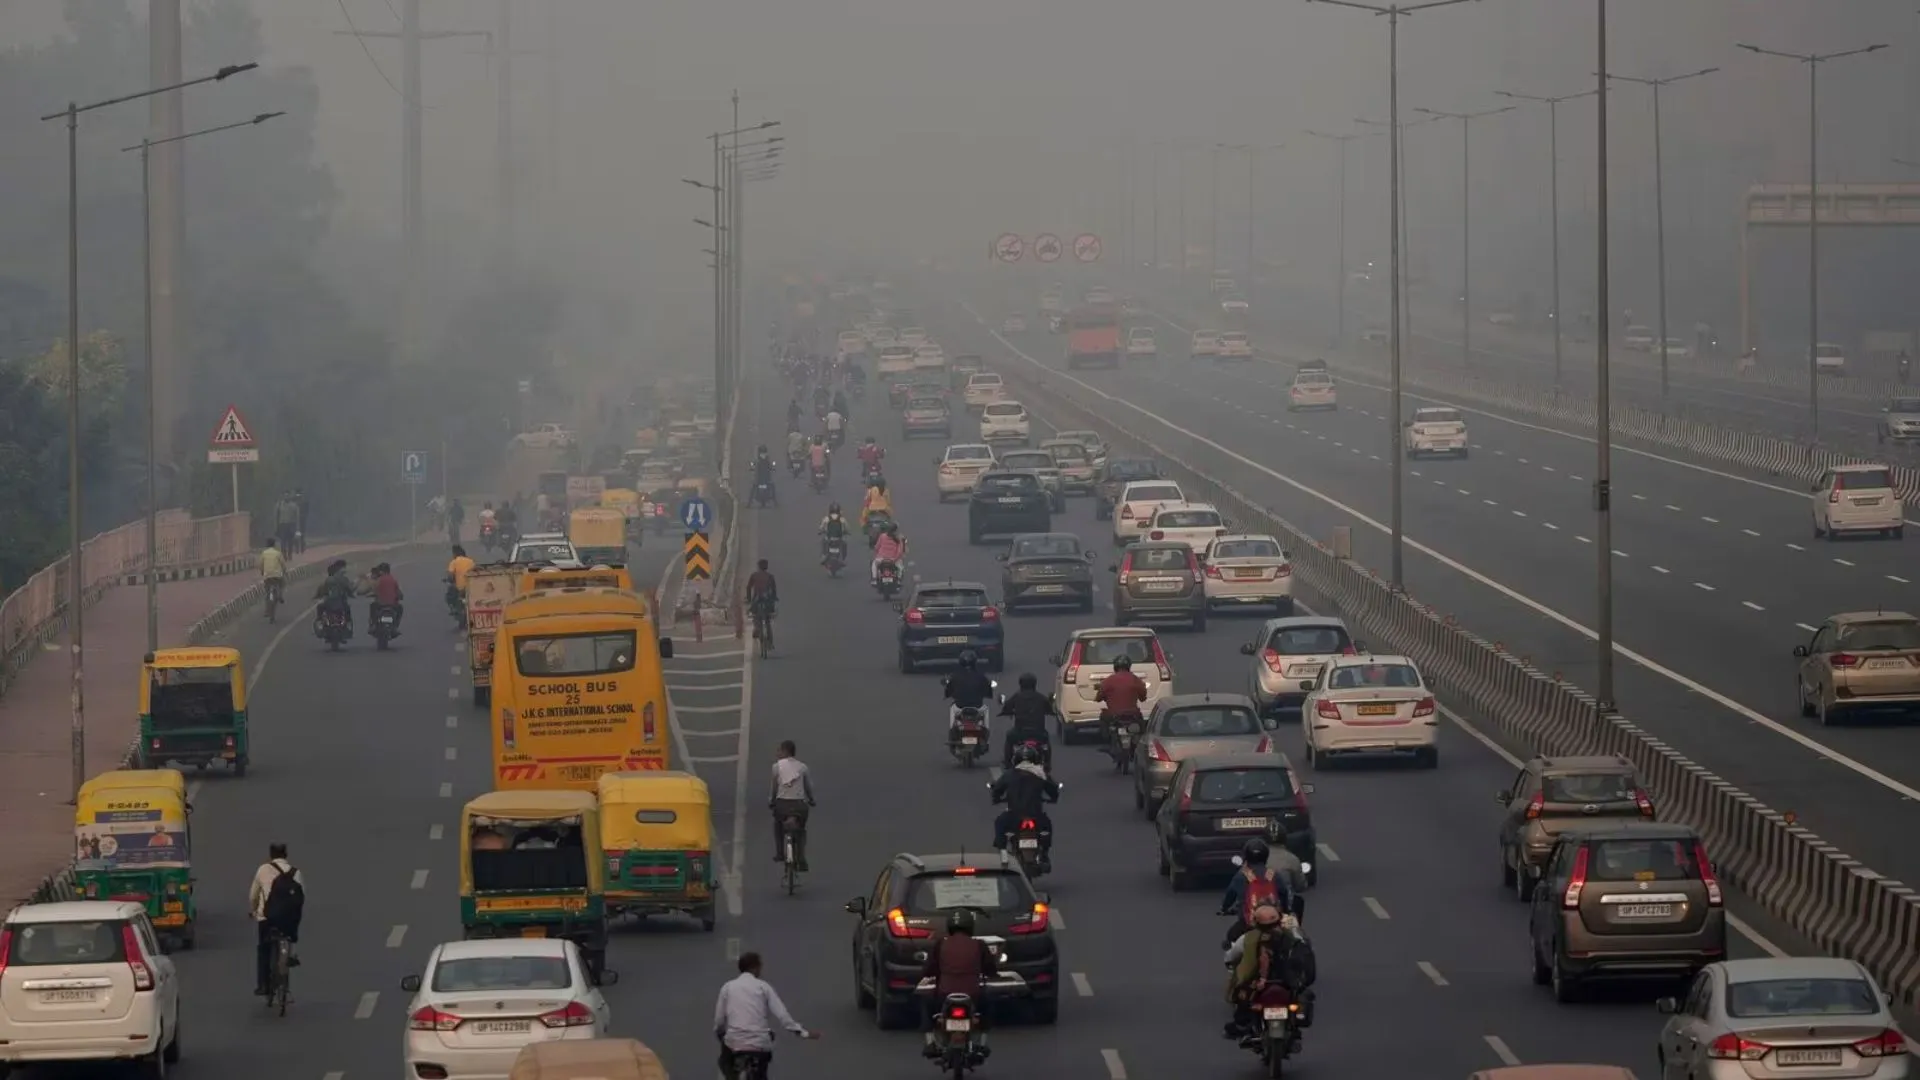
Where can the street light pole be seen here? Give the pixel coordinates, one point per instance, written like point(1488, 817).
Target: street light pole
point(1340, 237)
point(1213, 210)
point(146, 261)
point(1660, 208)
point(1603, 386)
point(1553, 201)
point(76, 589)
point(1813, 62)
point(1466, 219)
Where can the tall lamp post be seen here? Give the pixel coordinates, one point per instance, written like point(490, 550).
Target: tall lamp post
point(1603, 380)
point(76, 588)
point(1660, 207)
point(1813, 62)
point(1405, 277)
point(1553, 199)
point(724, 346)
point(1466, 218)
point(146, 259)
point(1340, 235)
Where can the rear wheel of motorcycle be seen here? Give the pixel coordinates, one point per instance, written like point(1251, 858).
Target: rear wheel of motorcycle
point(1276, 1062)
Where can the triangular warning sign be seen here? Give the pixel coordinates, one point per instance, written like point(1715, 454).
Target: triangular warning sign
point(232, 432)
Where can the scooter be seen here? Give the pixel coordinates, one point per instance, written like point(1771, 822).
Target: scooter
point(967, 737)
point(836, 559)
point(886, 579)
point(762, 495)
point(383, 624)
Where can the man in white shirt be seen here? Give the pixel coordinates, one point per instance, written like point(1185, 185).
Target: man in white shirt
point(257, 895)
point(792, 796)
point(743, 1019)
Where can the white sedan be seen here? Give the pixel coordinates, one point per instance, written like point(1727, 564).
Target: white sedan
point(1235, 346)
point(983, 389)
point(1370, 705)
point(1436, 430)
point(1248, 570)
point(1193, 524)
point(479, 1002)
point(960, 467)
point(1140, 342)
point(1205, 343)
point(1312, 390)
point(1139, 501)
point(1005, 421)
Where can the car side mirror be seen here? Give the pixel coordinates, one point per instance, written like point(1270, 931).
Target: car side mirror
point(1091, 555)
point(666, 648)
point(1054, 660)
point(1247, 649)
point(857, 906)
point(1801, 651)
point(1271, 723)
point(411, 984)
point(1667, 1006)
point(900, 606)
point(1113, 568)
point(607, 977)
point(1504, 798)
point(1002, 557)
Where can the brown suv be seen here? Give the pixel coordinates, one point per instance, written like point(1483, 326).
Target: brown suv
point(1633, 900)
point(1159, 581)
point(1553, 794)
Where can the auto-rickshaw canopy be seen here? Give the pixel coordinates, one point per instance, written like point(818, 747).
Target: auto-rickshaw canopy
point(540, 579)
point(655, 811)
point(171, 779)
point(588, 1059)
point(199, 666)
point(131, 819)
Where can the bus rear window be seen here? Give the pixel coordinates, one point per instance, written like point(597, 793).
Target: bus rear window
point(607, 653)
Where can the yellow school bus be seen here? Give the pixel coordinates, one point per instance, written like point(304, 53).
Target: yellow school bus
point(578, 689)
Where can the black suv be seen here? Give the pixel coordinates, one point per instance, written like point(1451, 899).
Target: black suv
point(1008, 502)
point(908, 907)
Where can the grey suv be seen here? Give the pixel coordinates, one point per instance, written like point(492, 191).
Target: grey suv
point(1155, 581)
point(1554, 794)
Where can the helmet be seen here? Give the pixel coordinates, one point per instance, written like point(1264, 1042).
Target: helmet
point(968, 659)
point(869, 440)
point(1026, 754)
point(833, 510)
point(893, 528)
point(960, 921)
point(1124, 663)
point(763, 450)
point(1028, 682)
point(1255, 853)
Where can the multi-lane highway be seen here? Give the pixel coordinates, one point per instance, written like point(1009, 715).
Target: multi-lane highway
point(1716, 576)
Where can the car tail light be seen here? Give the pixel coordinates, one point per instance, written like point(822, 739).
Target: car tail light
point(6, 948)
point(428, 1018)
point(1536, 805)
point(1266, 745)
point(1156, 535)
point(1160, 661)
point(1889, 1043)
point(991, 614)
point(916, 617)
point(1734, 1048)
point(1326, 710)
point(1285, 570)
point(1033, 922)
point(1072, 673)
point(130, 941)
point(1714, 899)
point(1157, 752)
point(1844, 660)
point(897, 926)
point(1274, 661)
point(1423, 707)
point(946, 470)
point(1126, 569)
point(573, 1015)
point(1193, 566)
point(1577, 881)
point(1645, 802)
point(1186, 796)
point(1212, 571)
point(1835, 497)
point(1126, 510)
point(965, 871)
point(156, 744)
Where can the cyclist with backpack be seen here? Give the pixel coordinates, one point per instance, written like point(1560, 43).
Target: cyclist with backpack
point(277, 899)
point(1254, 884)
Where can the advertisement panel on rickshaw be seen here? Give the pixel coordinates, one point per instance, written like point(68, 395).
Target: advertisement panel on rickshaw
point(132, 842)
point(488, 590)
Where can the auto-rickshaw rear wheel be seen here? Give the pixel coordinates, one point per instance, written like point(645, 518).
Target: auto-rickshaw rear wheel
point(481, 696)
point(239, 768)
point(708, 917)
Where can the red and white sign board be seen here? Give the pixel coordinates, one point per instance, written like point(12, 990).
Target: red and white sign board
point(1009, 247)
point(1086, 248)
point(232, 442)
point(1046, 248)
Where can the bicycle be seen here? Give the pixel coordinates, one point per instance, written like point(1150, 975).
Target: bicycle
point(789, 855)
point(280, 974)
point(763, 627)
point(275, 595)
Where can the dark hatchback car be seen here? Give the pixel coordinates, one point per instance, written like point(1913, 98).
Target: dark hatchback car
point(1008, 502)
point(1218, 802)
point(1114, 476)
point(926, 416)
point(1625, 901)
point(1046, 568)
point(906, 910)
point(946, 618)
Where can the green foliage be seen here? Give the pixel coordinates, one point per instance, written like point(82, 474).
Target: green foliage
point(33, 472)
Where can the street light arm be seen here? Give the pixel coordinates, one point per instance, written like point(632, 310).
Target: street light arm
point(1370, 8)
point(219, 76)
point(260, 119)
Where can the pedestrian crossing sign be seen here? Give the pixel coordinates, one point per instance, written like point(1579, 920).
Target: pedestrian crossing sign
point(232, 434)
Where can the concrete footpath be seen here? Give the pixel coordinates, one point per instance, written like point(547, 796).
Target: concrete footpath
point(36, 713)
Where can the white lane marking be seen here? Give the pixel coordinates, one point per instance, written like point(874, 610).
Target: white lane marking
point(1661, 570)
point(733, 948)
point(1749, 532)
point(1751, 604)
point(436, 832)
point(1672, 507)
point(1642, 498)
point(446, 789)
point(396, 935)
point(1703, 586)
point(368, 1000)
point(706, 709)
point(1053, 916)
point(452, 753)
point(1327, 852)
point(1081, 986)
point(1796, 547)
point(335, 1075)
point(1709, 520)
point(1519, 514)
point(1374, 906)
point(1501, 1050)
point(1116, 1069)
point(1582, 539)
point(456, 669)
point(1432, 973)
point(736, 894)
point(453, 721)
point(1898, 578)
point(1618, 554)
point(1843, 562)
point(193, 791)
point(419, 879)
point(1463, 491)
point(1806, 742)
point(1808, 629)
point(459, 646)
point(1551, 525)
point(453, 692)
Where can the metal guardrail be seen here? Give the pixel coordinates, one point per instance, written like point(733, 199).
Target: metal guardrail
point(1841, 905)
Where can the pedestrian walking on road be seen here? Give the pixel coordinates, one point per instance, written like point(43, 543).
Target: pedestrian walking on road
point(300, 530)
point(286, 521)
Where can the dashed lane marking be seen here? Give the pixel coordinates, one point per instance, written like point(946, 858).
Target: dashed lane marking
point(419, 879)
point(457, 669)
point(1379, 912)
point(1327, 853)
point(368, 1000)
point(1703, 586)
point(1804, 626)
point(1752, 605)
point(453, 721)
point(1898, 578)
point(1843, 562)
point(1081, 986)
point(446, 789)
point(396, 935)
point(436, 832)
point(1501, 1050)
point(1116, 1069)
point(1432, 973)
point(453, 693)
point(733, 948)
point(452, 752)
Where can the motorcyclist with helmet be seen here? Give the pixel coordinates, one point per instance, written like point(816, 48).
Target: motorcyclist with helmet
point(818, 457)
point(832, 527)
point(1271, 952)
point(335, 593)
point(1029, 709)
point(967, 688)
point(958, 963)
point(871, 453)
point(1026, 789)
point(1121, 694)
point(1255, 883)
point(763, 474)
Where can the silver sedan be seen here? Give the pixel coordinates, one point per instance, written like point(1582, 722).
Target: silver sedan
point(1811, 1017)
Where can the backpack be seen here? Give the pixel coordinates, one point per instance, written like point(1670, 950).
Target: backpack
point(1263, 889)
point(286, 898)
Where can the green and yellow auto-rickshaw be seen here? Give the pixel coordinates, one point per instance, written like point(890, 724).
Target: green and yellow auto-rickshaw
point(530, 866)
point(193, 709)
point(132, 842)
point(656, 830)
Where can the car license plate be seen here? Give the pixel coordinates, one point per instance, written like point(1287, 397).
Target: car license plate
point(968, 740)
point(959, 1025)
point(1645, 911)
point(1243, 823)
point(1378, 710)
point(1242, 574)
point(1161, 586)
point(1303, 671)
point(1273, 1014)
point(52, 997)
point(1028, 843)
point(1049, 589)
point(1881, 665)
point(1010, 500)
point(951, 639)
point(502, 1027)
point(1823, 1056)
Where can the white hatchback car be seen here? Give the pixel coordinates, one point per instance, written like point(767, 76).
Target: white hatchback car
point(1005, 421)
point(960, 467)
point(1141, 342)
point(1857, 499)
point(1312, 390)
point(479, 1002)
point(1085, 662)
point(1436, 430)
point(86, 981)
point(552, 548)
point(1139, 501)
point(1370, 705)
point(1248, 570)
point(1193, 524)
point(1205, 343)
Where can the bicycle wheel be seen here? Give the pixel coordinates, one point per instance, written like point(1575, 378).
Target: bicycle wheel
point(282, 976)
point(787, 868)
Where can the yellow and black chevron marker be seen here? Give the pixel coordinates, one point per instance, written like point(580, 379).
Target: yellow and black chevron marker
point(698, 557)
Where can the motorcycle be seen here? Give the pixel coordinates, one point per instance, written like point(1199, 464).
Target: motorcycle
point(819, 481)
point(1275, 1036)
point(762, 495)
point(886, 579)
point(836, 559)
point(870, 473)
point(489, 536)
point(959, 1038)
point(383, 623)
point(456, 604)
point(333, 628)
point(1122, 733)
point(836, 438)
point(968, 738)
point(796, 464)
point(1027, 848)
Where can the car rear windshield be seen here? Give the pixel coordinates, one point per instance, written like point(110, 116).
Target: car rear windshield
point(896, 354)
point(543, 552)
point(931, 404)
point(1027, 461)
point(950, 598)
point(502, 973)
point(47, 944)
point(1246, 549)
point(1879, 635)
point(1140, 335)
point(1642, 860)
point(1311, 378)
point(1047, 547)
point(1005, 409)
point(1589, 788)
point(1101, 651)
point(1129, 469)
point(1239, 786)
point(1009, 484)
point(1233, 339)
point(1437, 416)
point(1801, 997)
point(1154, 493)
point(983, 379)
point(1310, 640)
point(1863, 480)
point(934, 894)
point(1209, 722)
point(1066, 451)
point(1158, 558)
point(1371, 676)
point(969, 453)
point(1187, 519)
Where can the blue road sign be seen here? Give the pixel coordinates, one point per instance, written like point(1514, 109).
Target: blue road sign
point(695, 513)
point(413, 467)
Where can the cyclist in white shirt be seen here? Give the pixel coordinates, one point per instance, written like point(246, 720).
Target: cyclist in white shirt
point(792, 796)
point(744, 1016)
